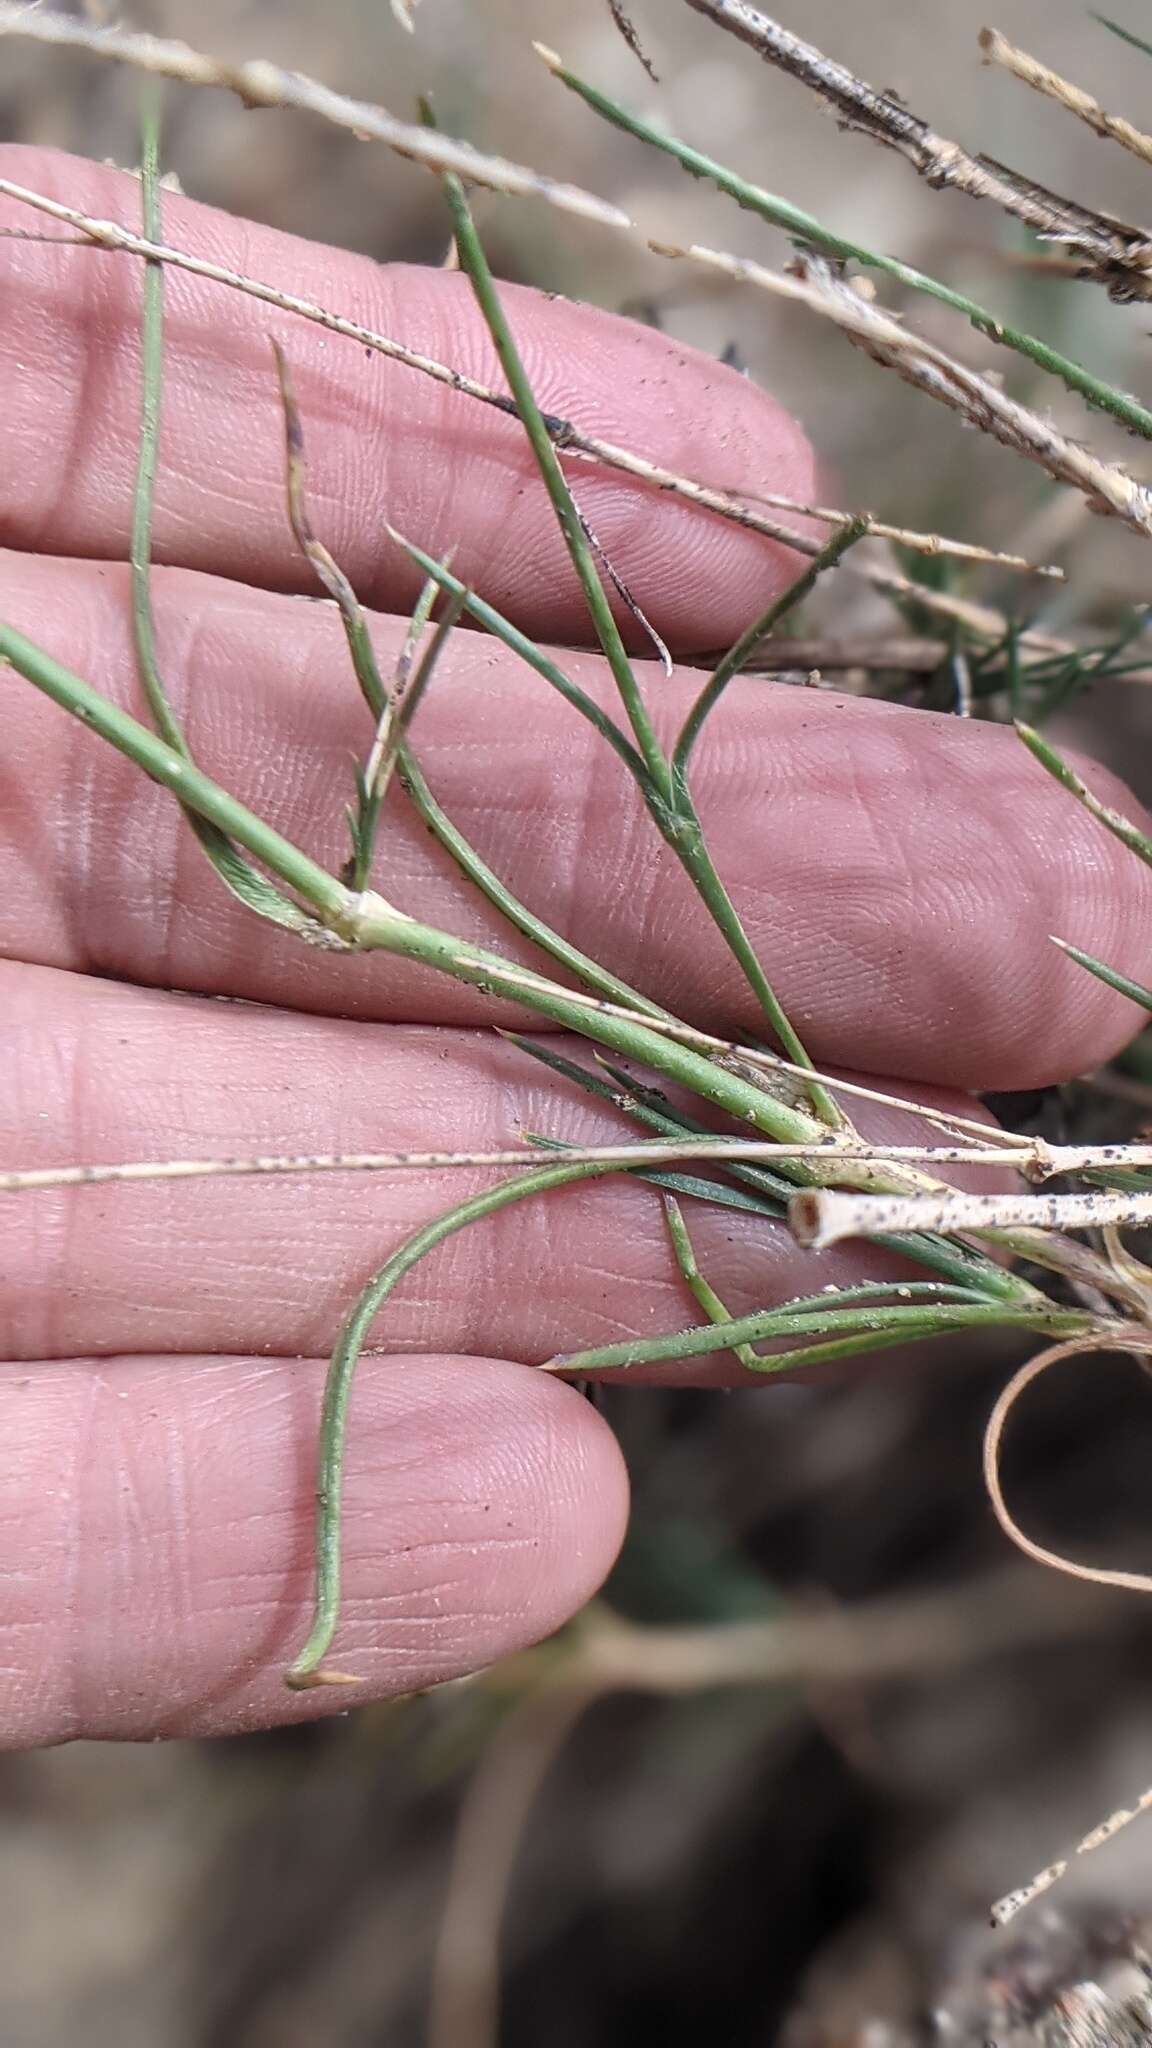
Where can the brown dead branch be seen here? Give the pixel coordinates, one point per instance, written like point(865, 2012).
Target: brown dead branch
point(1112, 252)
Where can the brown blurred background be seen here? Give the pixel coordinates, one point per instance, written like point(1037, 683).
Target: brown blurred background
point(742, 1862)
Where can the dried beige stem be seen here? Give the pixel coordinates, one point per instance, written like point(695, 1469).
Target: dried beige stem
point(464, 1992)
point(1014, 1902)
point(1031, 72)
point(1112, 252)
point(1033, 1156)
point(819, 1218)
point(259, 83)
point(908, 654)
point(1107, 487)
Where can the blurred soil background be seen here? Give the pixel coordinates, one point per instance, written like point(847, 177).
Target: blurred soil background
point(810, 1862)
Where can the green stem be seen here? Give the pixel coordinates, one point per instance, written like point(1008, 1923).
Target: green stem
point(474, 262)
point(1120, 827)
point(694, 1280)
point(518, 643)
point(1123, 985)
point(844, 538)
point(510, 907)
point(890, 1325)
point(782, 214)
point(164, 764)
point(686, 837)
point(377, 925)
point(952, 1259)
point(307, 1670)
point(367, 921)
point(144, 495)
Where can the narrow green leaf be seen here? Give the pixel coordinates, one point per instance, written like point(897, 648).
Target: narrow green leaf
point(882, 1324)
point(474, 263)
point(246, 882)
point(1120, 982)
point(1125, 34)
point(694, 1279)
point(680, 1183)
point(518, 643)
point(844, 538)
point(1121, 827)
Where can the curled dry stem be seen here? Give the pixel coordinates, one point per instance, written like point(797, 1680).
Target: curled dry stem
point(1137, 1344)
point(1120, 1338)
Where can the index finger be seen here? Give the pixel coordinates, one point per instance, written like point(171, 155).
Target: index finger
point(384, 442)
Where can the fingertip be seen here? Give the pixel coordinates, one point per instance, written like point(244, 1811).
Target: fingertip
point(159, 1527)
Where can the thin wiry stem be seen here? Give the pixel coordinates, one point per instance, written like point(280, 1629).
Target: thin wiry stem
point(1024, 1154)
point(662, 787)
point(195, 790)
point(704, 1294)
point(475, 264)
point(759, 630)
point(262, 84)
point(950, 1259)
point(1122, 983)
point(308, 1668)
point(517, 914)
point(1113, 821)
point(346, 920)
point(941, 376)
point(238, 874)
point(628, 30)
point(854, 1331)
point(1126, 35)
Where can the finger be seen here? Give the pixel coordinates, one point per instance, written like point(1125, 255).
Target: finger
point(99, 1072)
point(899, 873)
point(384, 442)
point(157, 1533)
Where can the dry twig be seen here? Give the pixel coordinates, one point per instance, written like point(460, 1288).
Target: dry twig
point(1114, 253)
point(1031, 72)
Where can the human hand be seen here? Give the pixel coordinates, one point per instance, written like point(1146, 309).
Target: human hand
point(899, 873)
